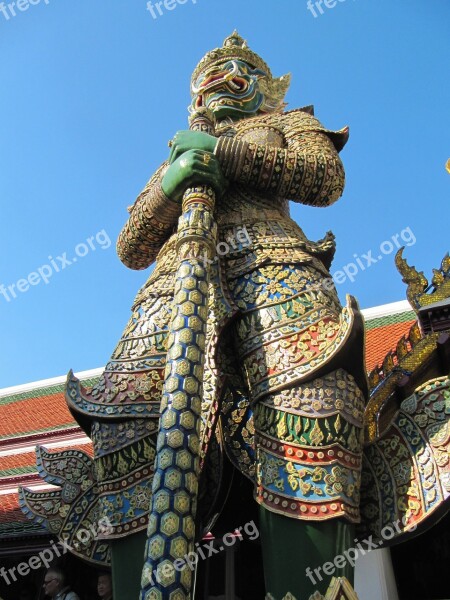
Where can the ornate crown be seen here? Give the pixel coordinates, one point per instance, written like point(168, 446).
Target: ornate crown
point(235, 48)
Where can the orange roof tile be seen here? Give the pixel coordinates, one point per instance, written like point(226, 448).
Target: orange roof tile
point(34, 415)
point(9, 508)
point(25, 459)
point(381, 340)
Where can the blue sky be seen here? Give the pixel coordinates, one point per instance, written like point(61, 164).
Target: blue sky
point(92, 92)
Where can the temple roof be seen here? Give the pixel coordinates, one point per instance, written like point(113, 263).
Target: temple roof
point(24, 424)
point(385, 325)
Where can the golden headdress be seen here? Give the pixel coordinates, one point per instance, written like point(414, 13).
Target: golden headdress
point(235, 48)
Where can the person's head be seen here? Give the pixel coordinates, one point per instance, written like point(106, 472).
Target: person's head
point(54, 581)
point(235, 83)
point(104, 586)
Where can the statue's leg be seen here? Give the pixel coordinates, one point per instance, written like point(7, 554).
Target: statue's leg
point(127, 557)
point(295, 551)
point(296, 355)
point(308, 476)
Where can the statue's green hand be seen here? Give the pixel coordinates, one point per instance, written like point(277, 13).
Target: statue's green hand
point(190, 140)
point(194, 167)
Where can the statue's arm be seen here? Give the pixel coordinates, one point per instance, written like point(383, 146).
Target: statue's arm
point(152, 220)
point(307, 170)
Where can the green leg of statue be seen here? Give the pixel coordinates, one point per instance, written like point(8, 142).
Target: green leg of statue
point(127, 557)
point(291, 547)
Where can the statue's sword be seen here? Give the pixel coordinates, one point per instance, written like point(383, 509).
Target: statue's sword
point(171, 527)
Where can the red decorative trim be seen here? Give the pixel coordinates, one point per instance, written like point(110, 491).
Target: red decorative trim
point(299, 509)
point(66, 434)
point(308, 455)
point(23, 480)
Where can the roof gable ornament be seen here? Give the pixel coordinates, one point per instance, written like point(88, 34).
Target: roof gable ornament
point(418, 290)
point(430, 301)
point(426, 343)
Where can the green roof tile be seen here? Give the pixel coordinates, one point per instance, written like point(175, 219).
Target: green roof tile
point(44, 391)
point(409, 315)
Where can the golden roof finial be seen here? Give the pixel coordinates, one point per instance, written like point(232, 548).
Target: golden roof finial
point(418, 293)
point(416, 281)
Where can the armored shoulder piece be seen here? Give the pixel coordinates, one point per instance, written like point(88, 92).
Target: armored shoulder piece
point(291, 125)
point(288, 154)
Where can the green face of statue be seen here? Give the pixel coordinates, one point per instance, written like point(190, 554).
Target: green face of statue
point(229, 90)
